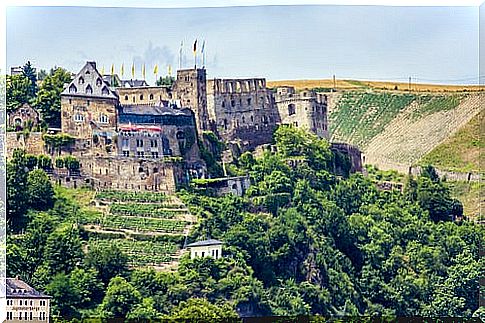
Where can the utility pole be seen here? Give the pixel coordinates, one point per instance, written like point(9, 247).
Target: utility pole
point(409, 85)
point(334, 83)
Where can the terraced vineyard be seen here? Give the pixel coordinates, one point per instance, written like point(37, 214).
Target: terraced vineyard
point(149, 227)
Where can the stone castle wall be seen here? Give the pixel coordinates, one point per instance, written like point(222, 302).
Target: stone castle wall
point(31, 143)
point(306, 109)
point(144, 95)
point(242, 110)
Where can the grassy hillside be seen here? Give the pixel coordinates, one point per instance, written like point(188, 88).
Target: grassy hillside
point(468, 193)
point(460, 152)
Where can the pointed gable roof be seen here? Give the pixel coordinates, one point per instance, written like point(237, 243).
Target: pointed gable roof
point(89, 82)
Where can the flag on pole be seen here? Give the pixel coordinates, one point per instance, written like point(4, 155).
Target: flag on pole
point(102, 70)
point(133, 71)
point(180, 53)
point(203, 47)
point(203, 53)
point(155, 70)
point(143, 71)
point(112, 69)
point(122, 69)
point(169, 70)
point(195, 47)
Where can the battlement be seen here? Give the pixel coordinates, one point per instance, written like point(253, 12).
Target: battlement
point(224, 86)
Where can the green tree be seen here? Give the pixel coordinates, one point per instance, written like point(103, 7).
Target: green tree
point(144, 311)
point(63, 251)
point(18, 91)
point(29, 72)
point(40, 191)
point(49, 96)
point(120, 299)
point(87, 285)
point(165, 81)
point(199, 309)
point(17, 194)
point(65, 296)
point(107, 261)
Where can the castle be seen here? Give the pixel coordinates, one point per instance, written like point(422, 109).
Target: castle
point(136, 136)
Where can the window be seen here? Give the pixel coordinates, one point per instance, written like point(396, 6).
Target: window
point(291, 109)
point(249, 101)
point(180, 135)
point(30, 316)
point(151, 96)
point(223, 104)
point(141, 96)
point(126, 97)
point(20, 302)
point(20, 315)
point(81, 80)
point(89, 89)
point(126, 153)
point(153, 143)
point(103, 119)
point(99, 82)
point(78, 117)
point(72, 89)
point(105, 91)
point(140, 153)
point(139, 142)
point(233, 103)
point(154, 154)
point(125, 143)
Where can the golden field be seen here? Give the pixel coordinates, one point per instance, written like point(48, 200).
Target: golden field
point(356, 85)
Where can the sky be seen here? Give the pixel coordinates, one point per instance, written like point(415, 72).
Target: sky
point(429, 44)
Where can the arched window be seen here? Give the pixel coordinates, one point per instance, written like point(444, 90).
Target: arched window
point(72, 89)
point(291, 109)
point(89, 89)
point(141, 96)
point(151, 96)
point(126, 97)
point(103, 119)
point(223, 104)
point(78, 117)
point(180, 135)
point(81, 80)
point(243, 119)
point(105, 91)
point(99, 82)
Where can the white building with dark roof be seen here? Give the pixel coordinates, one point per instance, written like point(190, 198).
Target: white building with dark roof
point(206, 248)
point(24, 303)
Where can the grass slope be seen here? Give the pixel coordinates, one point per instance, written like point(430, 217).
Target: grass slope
point(460, 152)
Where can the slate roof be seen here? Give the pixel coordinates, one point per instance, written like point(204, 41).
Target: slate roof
point(17, 288)
point(133, 83)
point(210, 242)
point(89, 82)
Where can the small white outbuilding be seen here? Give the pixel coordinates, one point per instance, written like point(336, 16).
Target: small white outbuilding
point(206, 248)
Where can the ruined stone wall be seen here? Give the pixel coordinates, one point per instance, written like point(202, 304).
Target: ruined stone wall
point(144, 95)
point(80, 115)
point(242, 110)
point(31, 143)
point(191, 89)
point(353, 152)
point(132, 173)
point(21, 116)
point(306, 109)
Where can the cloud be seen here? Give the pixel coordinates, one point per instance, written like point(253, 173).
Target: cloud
point(155, 55)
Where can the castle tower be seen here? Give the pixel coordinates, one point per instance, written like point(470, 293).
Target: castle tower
point(191, 89)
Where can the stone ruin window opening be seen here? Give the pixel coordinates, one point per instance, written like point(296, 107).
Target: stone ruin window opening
point(291, 109)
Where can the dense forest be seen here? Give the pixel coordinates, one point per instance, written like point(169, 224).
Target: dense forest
point(301, 241)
